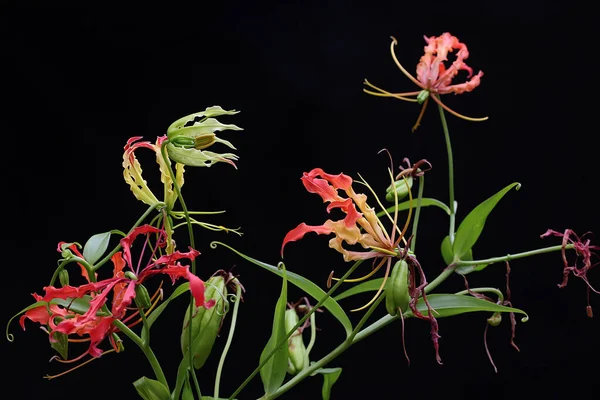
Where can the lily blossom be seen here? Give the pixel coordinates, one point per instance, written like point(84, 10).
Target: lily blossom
point(97, 321)
point(433, 77)
point(373, 237)
point(132, 172)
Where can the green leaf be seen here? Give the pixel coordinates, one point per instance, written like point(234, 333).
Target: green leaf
point(425, 202)
point(78, 305)
point(446, 250)
point(448, 305)
point(150, 389)
point(449, 259)
point(273, 371)
point(471, 227)
point(61, 345)
point(181, 289)
point(307, 286)
point(95, 247)
point(187, 393)
point(330, 376)
point(368, 286)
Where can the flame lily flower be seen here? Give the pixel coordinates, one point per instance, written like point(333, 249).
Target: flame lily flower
point(433, 77)
point(97, 321)
point(132, 172)
point(374, 238)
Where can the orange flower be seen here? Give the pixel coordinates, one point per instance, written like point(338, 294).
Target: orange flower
point(358, 227)
point(433, 77)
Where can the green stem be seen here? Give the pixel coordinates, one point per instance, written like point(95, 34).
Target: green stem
point(72, 259)
point(238, 296)
point(192, 245)
point(196, 384)
point(300, 322)
point(413, 242)
point(146, 350)
point(313, 336)
point(509, 257)
point(450, 174)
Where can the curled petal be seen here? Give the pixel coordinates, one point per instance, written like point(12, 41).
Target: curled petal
point(348, 207)
point(132, 172)
point(328, 186)
point(298, 233)
point(175, 256)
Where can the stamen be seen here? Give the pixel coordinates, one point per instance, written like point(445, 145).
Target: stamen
point(445, 107)
point(385, 277)
point(364, 182)
point(49, 377)
point(405, 72)
point(385, 93)
point(370, 274)
point(410, 208)
point(78, 340)
point(155, 299)
point(329, 280)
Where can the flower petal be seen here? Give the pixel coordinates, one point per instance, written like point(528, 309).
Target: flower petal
point(197, 288)
point(298, 233)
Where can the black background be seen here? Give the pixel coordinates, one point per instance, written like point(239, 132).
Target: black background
point(79, 79)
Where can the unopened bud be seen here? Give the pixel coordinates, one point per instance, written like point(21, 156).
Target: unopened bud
point(142, 297)
point(296, 348)
point(63, 277)
point(206, 323)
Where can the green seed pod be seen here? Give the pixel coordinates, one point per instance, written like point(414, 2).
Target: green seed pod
point(396, 289)
point(142, 298)
point(400, 187)
point(296, 348)
point(63, 277)
point(205, 323)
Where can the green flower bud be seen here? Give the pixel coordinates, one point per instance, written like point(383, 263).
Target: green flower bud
point(142, 297)
point(400, 187)
point(206, 323)
point(63, 277)
point(188, 138)
point(296, 348)
point(396, 289)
